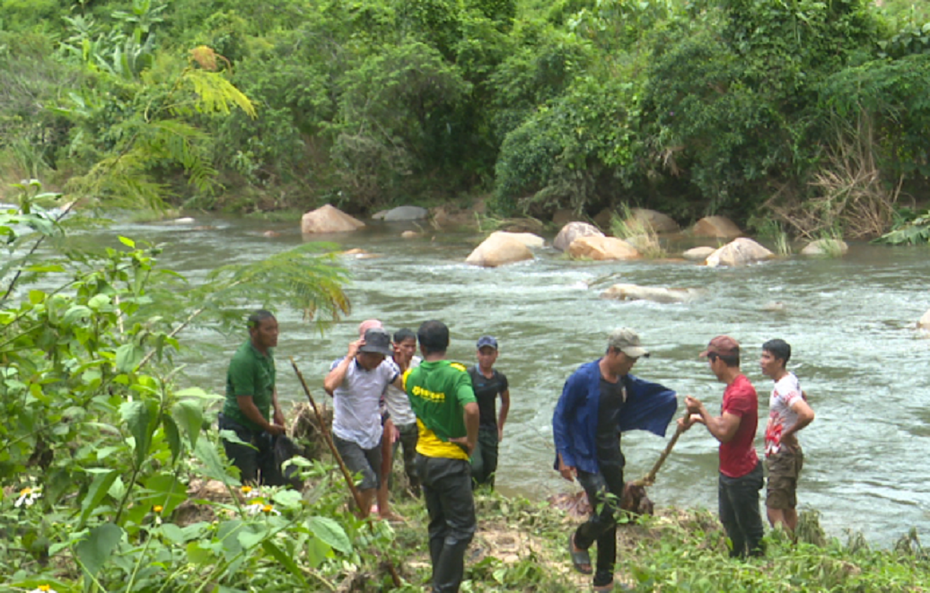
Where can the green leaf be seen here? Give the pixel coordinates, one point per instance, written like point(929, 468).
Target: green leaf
point(127, 242)
point(166, 491)
point(75, 314)
point(95, 492)
point(172, 435)
point(118, 489)
point(330, 532)
point(94, 551)
point(141, 417)
point(228, 536)
point(36, 296)
point(98, 301)
point(288, 499)
point(173, 533)
point(205, 451)
point(198, 392)
point(128, 357)
point(196, 554)
point(252, 534)
point(189, 416)
point(317, 551)
point(282, 558)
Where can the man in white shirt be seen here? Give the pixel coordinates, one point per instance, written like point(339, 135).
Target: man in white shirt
point(398, 406)
point(356, 383)
point(788, 413)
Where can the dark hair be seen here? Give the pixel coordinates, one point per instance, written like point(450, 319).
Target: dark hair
point(403, 334)
point(433, 337)
point(779, 349)
point(257, 316)
point(730, 361)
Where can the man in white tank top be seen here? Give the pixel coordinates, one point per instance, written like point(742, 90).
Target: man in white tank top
point(789, 412)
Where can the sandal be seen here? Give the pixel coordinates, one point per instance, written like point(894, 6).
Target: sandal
point(581, 560)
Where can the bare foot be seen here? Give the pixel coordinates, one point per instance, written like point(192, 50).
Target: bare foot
point(392, 517)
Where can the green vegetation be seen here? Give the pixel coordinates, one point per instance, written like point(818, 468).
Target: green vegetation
point(807, 112)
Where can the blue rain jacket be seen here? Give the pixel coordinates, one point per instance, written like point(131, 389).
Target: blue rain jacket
point(649, 406)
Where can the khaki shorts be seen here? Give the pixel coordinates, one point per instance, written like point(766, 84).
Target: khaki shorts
point(783, 468)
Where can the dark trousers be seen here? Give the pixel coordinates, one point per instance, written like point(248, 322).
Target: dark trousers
point(447, 492)
point(408, 438)
point(258, 465)
point(739, 512)
point(605, 491)
point(484, 457)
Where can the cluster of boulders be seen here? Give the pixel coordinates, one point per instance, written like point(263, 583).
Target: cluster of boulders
point(580, 240)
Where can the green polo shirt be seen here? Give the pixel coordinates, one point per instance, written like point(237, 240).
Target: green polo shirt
point(250, 373)
point(438, 392)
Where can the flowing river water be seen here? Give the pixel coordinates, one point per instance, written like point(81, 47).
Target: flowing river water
point(850, 321)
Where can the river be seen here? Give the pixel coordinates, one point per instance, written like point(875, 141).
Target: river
point(850, 321)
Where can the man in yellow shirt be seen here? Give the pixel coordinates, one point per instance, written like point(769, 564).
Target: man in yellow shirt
point(442, 397)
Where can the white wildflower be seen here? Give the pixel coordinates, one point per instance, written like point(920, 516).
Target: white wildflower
point(28, 496)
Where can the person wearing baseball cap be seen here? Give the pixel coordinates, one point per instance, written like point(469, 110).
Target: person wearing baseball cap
point(356, 383)
point(600, 401)
point(488, 383)
point(740, 478)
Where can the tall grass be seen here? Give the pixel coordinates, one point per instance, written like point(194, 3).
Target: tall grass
point(636, 232)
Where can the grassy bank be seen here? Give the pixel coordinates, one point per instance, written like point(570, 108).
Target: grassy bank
point(520, 546)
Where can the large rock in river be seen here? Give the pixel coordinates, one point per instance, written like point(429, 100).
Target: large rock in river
point(716, 226)
point(698, 253)
point(924, 321)
point(402, 214)
point(328, 219)
point(826, 247)
point(572, 231)
point(656, 294)
point(498, 249)
point(602, 248)
point(529, 239)
point(659, 222)
point(738, 252)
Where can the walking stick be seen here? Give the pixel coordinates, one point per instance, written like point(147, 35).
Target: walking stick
point(650, 478)
point(345, 471)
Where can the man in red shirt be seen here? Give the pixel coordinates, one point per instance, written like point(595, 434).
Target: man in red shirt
point(740, 477)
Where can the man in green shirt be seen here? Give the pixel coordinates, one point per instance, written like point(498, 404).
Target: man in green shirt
point(251, 398)
point(444, 402)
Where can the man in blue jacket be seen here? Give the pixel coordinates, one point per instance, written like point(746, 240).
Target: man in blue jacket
point(599, 401)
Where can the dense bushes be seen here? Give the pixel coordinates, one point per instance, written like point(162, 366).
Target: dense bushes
point(731, 106)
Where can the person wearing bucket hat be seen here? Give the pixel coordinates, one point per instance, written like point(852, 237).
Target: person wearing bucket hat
point(600, 401)
point(357, 382)
point(740, 478)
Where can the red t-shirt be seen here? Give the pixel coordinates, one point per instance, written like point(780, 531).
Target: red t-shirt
point(738, 457)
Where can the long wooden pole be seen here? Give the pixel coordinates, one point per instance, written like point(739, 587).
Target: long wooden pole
point(650, 477)
point(350, 482)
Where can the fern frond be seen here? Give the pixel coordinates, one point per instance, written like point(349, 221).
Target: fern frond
point(216, 93)
point(306, 277)
point(121, 181)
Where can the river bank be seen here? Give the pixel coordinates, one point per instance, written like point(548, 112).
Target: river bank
point(520, 546)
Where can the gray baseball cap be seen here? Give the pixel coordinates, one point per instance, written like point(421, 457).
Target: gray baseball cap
point(487, 341)
point(627, 341)
point(377, 340)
